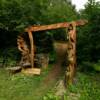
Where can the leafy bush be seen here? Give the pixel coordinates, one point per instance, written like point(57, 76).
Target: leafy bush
point(87, 66)
point(9, 56)
point(86, 88)
point(96, 66)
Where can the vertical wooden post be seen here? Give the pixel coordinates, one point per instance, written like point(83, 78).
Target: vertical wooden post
point(71, 53)
point(32, 48)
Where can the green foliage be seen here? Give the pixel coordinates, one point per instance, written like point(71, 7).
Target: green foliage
point(87, 66)
point(20, 86)
point(96, 66)
point(9, 57)
point(87, 87)
point(16, 15)
point(89, 36)
point(50, 96)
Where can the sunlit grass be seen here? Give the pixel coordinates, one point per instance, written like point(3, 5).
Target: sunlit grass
point(22, 87)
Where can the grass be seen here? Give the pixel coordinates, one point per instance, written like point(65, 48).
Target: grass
point(86, 87)
point(21, 87)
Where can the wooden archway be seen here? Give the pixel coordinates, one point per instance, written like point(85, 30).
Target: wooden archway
point(71, 50)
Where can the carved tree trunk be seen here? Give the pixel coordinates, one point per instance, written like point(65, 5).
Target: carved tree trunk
point(23, 48)
point(32, 48)
point(71, 53)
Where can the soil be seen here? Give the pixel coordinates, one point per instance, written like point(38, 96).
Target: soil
point(54, 74)
point(57, 69)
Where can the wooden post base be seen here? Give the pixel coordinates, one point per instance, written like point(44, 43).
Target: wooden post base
point(31, 71)
point(28, 71)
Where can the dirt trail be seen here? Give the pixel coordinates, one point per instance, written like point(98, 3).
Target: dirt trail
point(55, 72)
point(57, 68)
point(49, 81)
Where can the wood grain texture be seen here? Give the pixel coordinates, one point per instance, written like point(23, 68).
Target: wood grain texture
point(32, 48)
point(54, 26)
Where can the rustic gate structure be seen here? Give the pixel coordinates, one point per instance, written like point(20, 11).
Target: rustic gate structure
point(29, 55)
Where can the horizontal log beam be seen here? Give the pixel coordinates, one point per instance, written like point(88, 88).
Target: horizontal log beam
point(54, 26)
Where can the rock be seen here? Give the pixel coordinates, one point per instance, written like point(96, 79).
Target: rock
point(60, 88)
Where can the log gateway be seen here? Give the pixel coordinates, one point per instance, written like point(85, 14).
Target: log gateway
point(28, 56)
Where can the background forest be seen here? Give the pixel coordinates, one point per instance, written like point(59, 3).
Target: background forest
point(16, 15)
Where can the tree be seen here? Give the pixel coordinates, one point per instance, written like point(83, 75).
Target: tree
point(89, 36)
point(17, 14)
